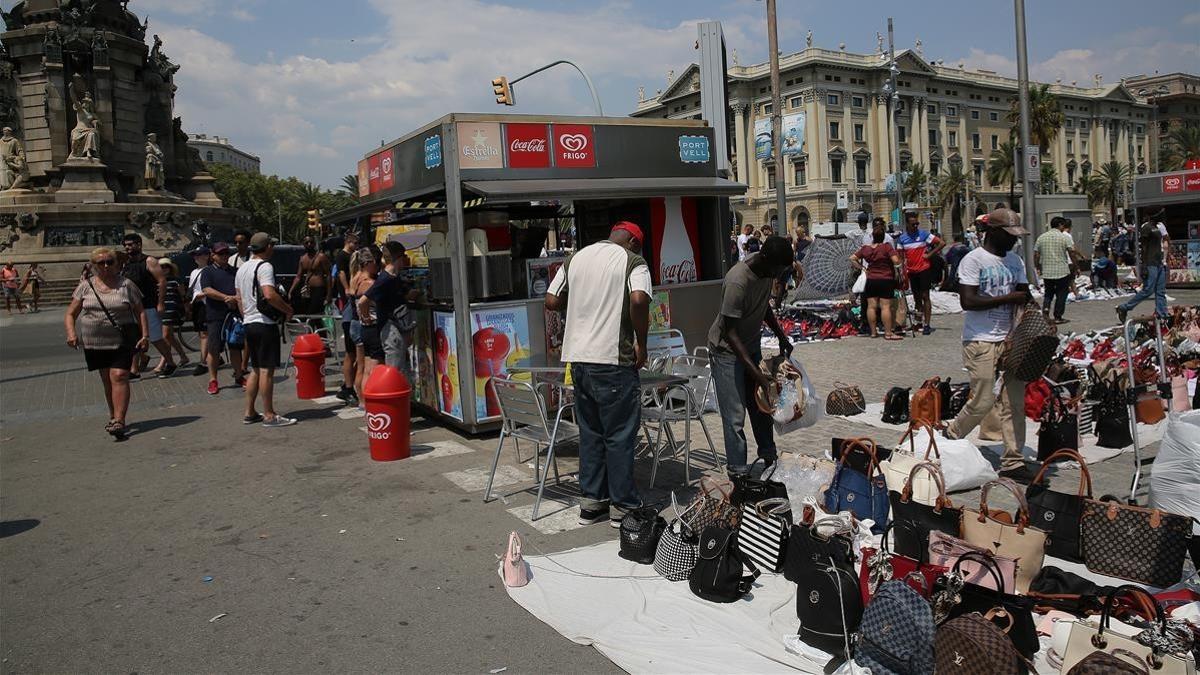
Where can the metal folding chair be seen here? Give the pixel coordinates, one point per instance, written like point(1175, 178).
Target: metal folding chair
point(523, 416)
point(680, 403)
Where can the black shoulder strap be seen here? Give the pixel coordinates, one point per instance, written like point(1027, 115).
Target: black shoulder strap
point(258, 287)
point(102, 306)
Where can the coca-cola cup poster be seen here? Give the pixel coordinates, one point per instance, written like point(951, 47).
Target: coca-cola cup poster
point(499, 341)
point(675, 234)
point(445, 356)
point(420, 354)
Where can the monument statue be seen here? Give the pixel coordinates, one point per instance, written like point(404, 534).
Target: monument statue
point(808, 39)
point(154, 163)
point(878, 42)
point(14, 171)
point(85, 137)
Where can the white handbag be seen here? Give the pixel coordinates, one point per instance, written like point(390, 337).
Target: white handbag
point(898, 467)
point(1086, 638)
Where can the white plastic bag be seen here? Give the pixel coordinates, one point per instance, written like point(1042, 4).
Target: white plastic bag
point(1175, 474)
point(798, 406)
point(860, 284)
point(805, 477)
point(963, 466)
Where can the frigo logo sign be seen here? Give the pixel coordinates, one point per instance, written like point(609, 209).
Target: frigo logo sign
point(379, 426)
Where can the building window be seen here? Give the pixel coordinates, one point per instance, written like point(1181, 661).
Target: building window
point(1141, 129)
point(1070, 147)
point(771, 177)
point(933, 137)
point(860, 171)
point(901, 134)
point(833, 99)
point(994, 117)
point(856, 101)
point(768, 108)
point(796, 102)
point(1087, 170)
point(974, 114)
point(801, 174)
point(977, 174)
point(1070, 123)
point(975, 142)
point(952, 110)
point(835, 130)
point(900, 106)
point(859, 133)
point(835, 170)
point(1139, 150)
point(208, 156)
point(1083, 146)
point(1070, 175)
point(954, 139)
point(931, 108)
point(935, 167)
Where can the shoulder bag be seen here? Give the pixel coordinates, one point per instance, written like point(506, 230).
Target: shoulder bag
point(1030, 345)
point(845, 401)
point(898, 470)
point(913, 521)
point(882, 565)
point(1087, 639)
point(1147, 546)
point(750, 490)
point(676, 553)
point(972, 645)
point(263, 305)
point(827, 538)
point(1013, 539)
point(641, 529)
point(762, 533)
point(130, 332)
point(866, 496)
point(1112, 411)
point(971, 598)
point(895, 406)
point(513, 566)
point(946, 550)
point(1059, 428)
point(717, 576)
point(1058, 513)
point(711, 507)
point(1114, 662)
point(926, 404)
point(860, 449)
point(896, 634)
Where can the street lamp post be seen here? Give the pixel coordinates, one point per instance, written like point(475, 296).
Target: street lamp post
point(1028, 201)
point(777, 123)
point(890, 89)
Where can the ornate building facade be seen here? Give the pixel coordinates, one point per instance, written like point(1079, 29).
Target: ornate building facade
point(218, 150)
point(948, 115)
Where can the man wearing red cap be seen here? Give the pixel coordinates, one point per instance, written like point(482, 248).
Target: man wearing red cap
point(605, 290)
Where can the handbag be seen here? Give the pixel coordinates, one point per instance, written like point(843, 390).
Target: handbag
point(1087, 639)
point(1017, 540)
point(1149, 407)
point(235, 332)
point(959, 395)
point(845, 401)
point(881, 566)
point(829, 607)
point(946, 550)
point(763, 532)
point(750, 490)
point(808, 545)
point(969, 598)
point(896, 634)
point(676, 553)
point(1059, 429)
point(898, 469)
point(1116, 662)
point(708, 510)
point(717, 576)
point(971, 644)
point(865, 495)
point(130, 332)
point(513, 567)
point(1030, 345)
point(1058, 513)
point(1143, 545)
point(1112, 413)
point(926, 404)
point(641, 529)
point(895, 406)
point(860, 449)
point(913, 521)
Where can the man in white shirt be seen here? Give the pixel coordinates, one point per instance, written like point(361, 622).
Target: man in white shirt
point(255, 281)
point(743, 242)
point(867, 233)
point(201, 256)
point(992, 286)
point(605, 290)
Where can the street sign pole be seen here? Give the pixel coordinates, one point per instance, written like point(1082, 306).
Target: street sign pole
point(1029, 185)
point(781, 217)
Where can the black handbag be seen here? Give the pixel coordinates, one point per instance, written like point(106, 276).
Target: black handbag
point(913, 521)
point(959, 395)
point(1058, 513)
point(717, 576)
point(859, 455)
point(810, 545)
point(895, 405)
point(1112, 414)
point(1059, 429)
point(641, 529)
point(946, 391)
point(973, 598)
point(750, 490)
point(261, 302)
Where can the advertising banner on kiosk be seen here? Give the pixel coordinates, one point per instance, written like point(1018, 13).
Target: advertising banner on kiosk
point(445, 350)
point(420, 354)
point(499, 341)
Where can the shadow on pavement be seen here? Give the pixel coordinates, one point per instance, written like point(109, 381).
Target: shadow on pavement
point(161, 423)
point(9, 528)
point(313, 413)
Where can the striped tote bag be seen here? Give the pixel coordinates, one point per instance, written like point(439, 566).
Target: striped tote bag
point(763, 532)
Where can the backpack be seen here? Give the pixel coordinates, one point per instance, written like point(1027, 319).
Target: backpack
point(896, 634)
point(717, 575)
point(926, 404)
point(947, 392)
point(640, 531)
point(895, 406)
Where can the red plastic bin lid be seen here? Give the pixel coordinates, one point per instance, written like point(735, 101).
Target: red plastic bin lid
point(386, 382)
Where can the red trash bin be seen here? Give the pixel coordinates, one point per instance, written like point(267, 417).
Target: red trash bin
point(386, 394)
point(308, 353)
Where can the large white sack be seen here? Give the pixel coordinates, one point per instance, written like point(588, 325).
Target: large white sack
point(963, 466)
point(1175, 474)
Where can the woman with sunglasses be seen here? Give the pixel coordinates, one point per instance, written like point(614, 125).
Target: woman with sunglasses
point(106, 316)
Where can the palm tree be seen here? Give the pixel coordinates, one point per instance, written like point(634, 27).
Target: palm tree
point(1045, 117)
point(1001, 170)
point(1111, 180)
point(1048, 179)
point(1182, 144)
point(950, 186)
point(914, 183)
point(350, 186)
point(1089, 186)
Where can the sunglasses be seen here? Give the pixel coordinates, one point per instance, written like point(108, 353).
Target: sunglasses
point(107, 262)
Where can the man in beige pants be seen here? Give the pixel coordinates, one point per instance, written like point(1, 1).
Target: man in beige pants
point(993, 285)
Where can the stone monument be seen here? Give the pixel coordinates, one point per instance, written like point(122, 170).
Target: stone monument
point(91, 147)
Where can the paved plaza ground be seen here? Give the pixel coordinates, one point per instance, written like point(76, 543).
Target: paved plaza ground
point(203, 545)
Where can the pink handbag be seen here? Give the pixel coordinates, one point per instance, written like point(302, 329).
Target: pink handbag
point(945, 550)
point(1180, 401)
point(513, 565)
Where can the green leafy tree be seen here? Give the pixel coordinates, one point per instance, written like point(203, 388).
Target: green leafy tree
point(1111, 182)
point(1182, 144)
point(1001, 170)
point(950, 187)
point(1045, 117)
point(1091, 188)
point(1048, 180)
point(274, 203)
point(350, 186)
point(914, 183)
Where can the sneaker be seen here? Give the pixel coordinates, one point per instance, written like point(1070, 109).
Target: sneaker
point(199, 370)
point(240, 381)
point(252, 419)
point(167, 371)
point(278, 421)
point(592, 516)
point(213, 387)
point(927, 330)
point(1062, 320)
point(1122, 314)
point(345, 395)
point(1020, 474)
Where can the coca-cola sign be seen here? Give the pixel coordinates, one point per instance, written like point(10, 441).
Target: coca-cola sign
point(528, 146)
point(375, 173)
point(675, 230)
point(1191, 182)
point(681, 272)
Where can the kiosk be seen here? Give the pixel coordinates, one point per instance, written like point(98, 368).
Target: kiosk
point(500, 193)
point(1177, 194)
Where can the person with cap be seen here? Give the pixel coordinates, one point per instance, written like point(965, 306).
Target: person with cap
point(992, 286)
point(172, 314)
point(218, 284)
point(201, 256)
point(1054, 259)
point(1152, 237)
point(734, 351)
point(143, 271)
point(605, 290)
point(263, 307)
point(918, 247)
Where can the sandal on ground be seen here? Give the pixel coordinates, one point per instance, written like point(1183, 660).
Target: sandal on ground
point(117, 430)
point(893, 337)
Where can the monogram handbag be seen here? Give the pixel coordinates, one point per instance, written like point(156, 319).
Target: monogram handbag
point(973, 645)
point(881, 566)
point(750, 490)
point(866, 496)
point(946, 551)
point(896, 634)
point(957, 597)
point(809, 545)
point(1030, 345)
point(1058, 513)
point(1115, 662)
point(898, 469)
point(1154, 647)
point(1014, 539)
point(641, 529)
point(763, 532)
point(1146, 546)
point(913, 521)
point(711, 507)
point(845, 401)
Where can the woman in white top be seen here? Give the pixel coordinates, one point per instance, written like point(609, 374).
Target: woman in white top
point(195, 294)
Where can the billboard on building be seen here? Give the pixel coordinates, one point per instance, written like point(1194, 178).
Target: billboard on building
point(762, 138)
point(793, 133)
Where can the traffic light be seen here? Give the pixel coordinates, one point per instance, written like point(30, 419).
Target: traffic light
point(503, 92)
point(314, 219)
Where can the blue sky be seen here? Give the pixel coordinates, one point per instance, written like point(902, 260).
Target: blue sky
point(311, 85)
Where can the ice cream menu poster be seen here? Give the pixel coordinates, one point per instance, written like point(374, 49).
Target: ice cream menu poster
point(499, 341)
point(446, 361)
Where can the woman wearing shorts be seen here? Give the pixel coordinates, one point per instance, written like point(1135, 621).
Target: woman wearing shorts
point(200, 256)
point(880, 263)
point(364, 268)
point(112, 328)
point(172, 315)
point(34, 281)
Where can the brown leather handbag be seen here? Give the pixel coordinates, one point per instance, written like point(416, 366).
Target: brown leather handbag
point(926, 403)
point(845, 400)
point(1012, 539)
point(973, 645)
point(1149, 407)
